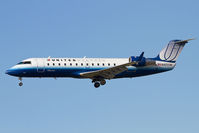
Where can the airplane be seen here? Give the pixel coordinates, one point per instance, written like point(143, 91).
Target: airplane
point(99, 69)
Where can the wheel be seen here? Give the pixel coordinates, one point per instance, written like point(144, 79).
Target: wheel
point(103, 82)
point(20, 84)
point(97, 84)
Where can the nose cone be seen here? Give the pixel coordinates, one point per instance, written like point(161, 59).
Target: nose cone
point(11, 72)
point(6, 72)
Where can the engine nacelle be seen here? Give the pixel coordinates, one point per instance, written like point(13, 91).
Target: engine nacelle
point(150, 62)
point(141, 62)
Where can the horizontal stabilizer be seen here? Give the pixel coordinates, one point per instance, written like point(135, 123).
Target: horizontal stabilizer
point(184, 41)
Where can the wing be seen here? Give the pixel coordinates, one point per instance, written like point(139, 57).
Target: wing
point(108, 73)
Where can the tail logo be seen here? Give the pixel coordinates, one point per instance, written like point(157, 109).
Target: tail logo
point(171, 52)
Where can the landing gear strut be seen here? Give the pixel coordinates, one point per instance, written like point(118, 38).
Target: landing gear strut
point(98, 82)
point(20, 83)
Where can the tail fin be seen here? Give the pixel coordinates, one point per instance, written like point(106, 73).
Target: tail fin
point(172, 50)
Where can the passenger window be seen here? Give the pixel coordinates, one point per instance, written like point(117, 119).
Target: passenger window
point(108, 64)
point(114, 64)
point(64, 59)
point(102, 64)
point(53, 64)
point(53, 59)
point(48, 64)
point(98, 64)
point(57, 59)
point(74, 60)
point(81, 64)
point(69, 60)
point(76, 64)
point(87, 64)
point(64, 64)
point(70, 64)
point(59, 64)
point(92, 64)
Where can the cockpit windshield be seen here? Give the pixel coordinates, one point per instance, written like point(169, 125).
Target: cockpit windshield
point(24, 62)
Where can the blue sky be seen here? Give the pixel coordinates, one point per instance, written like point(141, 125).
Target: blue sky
point(166, 102)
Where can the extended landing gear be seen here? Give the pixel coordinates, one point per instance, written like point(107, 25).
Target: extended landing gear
point(20, 83)
point(103, 82)
point(98, 82)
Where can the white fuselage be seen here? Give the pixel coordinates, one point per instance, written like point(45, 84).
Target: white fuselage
point(73, 67)
point(100, 69)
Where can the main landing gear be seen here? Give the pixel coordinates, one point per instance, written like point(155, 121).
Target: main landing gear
point(98, 82)
point(20, 83)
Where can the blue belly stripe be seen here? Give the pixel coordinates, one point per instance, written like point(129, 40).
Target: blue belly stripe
point(74, 72)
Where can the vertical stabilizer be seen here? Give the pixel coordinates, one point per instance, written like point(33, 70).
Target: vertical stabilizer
point(172, 50)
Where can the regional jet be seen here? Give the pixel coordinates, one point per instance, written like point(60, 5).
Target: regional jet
point(99, 69)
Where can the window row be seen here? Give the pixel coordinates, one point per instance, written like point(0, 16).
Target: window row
point(49, 59)
point(61, 60)
point(81, 64)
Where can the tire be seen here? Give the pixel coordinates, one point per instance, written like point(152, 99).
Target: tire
point(97, 84)
point(103, 82)
point(20, 84)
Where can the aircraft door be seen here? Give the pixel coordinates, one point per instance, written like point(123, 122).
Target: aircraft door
point(40, 65)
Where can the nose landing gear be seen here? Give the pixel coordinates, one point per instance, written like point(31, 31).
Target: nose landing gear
point(20, 83)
